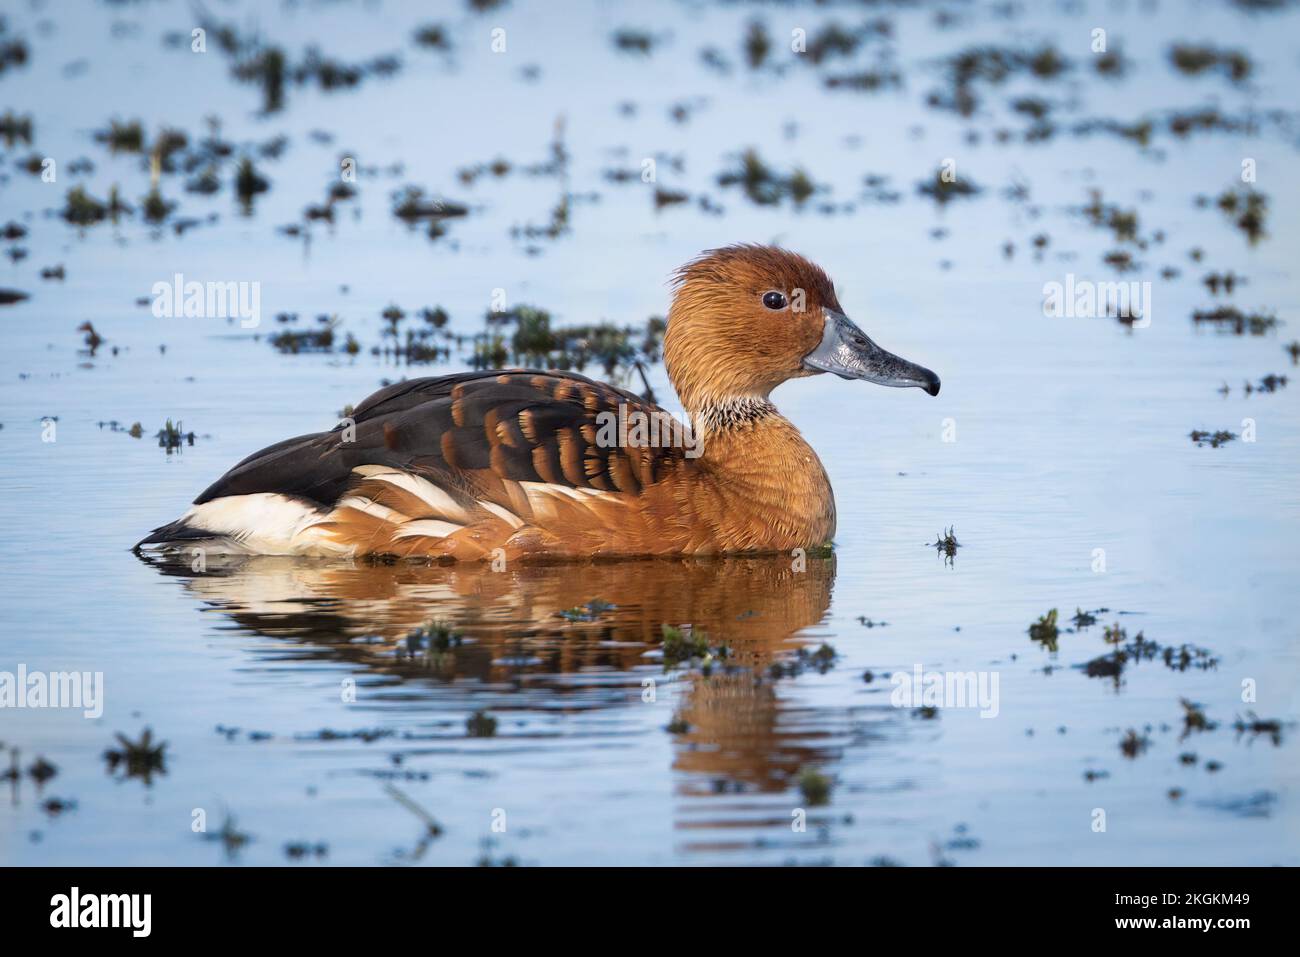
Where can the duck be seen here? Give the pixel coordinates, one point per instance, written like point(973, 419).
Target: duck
point(534, 465)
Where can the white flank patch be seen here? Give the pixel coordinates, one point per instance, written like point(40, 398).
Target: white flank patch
point(372, 508)
point(431, 527)
point(510, 518)
point(438, 500)
point(264, 523)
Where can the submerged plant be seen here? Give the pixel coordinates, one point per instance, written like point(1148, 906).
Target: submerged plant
point(481, 725)
point(138, 758)
point(946, 544)
point(1044, 631)
point(1213, 439)
point(816, 787)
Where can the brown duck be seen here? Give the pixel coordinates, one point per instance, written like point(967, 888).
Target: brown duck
point(528, 465)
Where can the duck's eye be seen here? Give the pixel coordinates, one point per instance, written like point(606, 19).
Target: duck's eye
point(774, 300)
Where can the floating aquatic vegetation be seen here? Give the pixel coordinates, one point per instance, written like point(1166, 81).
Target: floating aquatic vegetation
point(1126, 652)
point(877, 189)
point(943, 188)
point(1194, 718)
point(249, 183)
point(1137, 131)
point(41, 770)
point(683, 644)
point(867, 80)
point(122, 137)
point(155, 208)
point(757, 45)
point(1112, 64)
point(172, 435)
point(1133, 744)
point(1268, 384)
point(765, 186)
point(411, 205)
point(205, 183)
point(815, 787)
point(1227, 281)
point(620, 350)
point(667, 197)
point(1247, 208)
point(632, 40)
point(292, 342)
point(992, 66)
point(1121, 260)
point(1082, 619)
point(1044, 631)
point(1183, 123)
point(15, 128)
point(946, 544)
point(591, 611)
point(231, 837)
point(555, 227)
point(1230, 319)
point(140, 759)
point(498, 168)
point(270, 67)
point(1213, 439)
point(300, 850)
point(1194, 60)
point(481, 725)
point(432, 36)
point(82, 209)
point(822, 659)
point(1122, 223)
point(1253, 724)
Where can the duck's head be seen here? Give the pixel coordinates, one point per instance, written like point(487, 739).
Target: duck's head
point(746, 318)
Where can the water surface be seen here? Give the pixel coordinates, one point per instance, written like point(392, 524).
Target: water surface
point(293, 699)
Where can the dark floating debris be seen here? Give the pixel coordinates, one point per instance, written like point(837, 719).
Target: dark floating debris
point(140, 759)
point(686, 646)
point(1045, 631)
point(764, 186)
point(943, 188)
point(631, 40)
point(1247, 208)
point(815, 787)
point(1212, 439)
point(1253, 724)
point(481, 725)
point(1230, 319)
point(1139, 649)
point(946, 544)
point(821, 660)
point(1133, 744)
point(172, 435)
point(1194, 60)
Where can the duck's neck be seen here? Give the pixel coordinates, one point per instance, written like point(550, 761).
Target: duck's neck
point(770, 490)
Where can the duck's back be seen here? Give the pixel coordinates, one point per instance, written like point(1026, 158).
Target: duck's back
point(513, 464)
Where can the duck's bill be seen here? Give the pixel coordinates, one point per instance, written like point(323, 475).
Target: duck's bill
point(848, 352)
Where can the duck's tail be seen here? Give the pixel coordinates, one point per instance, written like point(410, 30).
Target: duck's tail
point(262, 523)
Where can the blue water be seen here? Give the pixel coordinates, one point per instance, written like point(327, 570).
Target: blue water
point(1071, 435)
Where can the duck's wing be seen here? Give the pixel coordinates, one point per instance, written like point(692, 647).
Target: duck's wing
point(437, 455)
point(518, 425)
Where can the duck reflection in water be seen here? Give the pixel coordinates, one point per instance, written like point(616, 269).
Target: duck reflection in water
point(561, 637)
